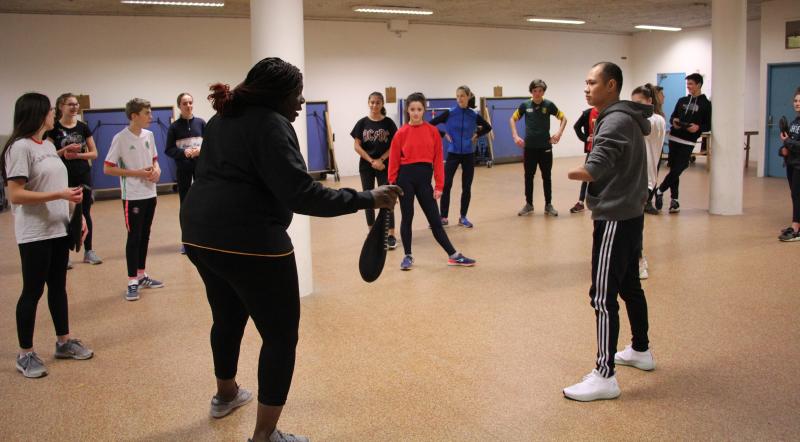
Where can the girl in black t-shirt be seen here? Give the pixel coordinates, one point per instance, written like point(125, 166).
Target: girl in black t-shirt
point(372, 137)
point(75, 145)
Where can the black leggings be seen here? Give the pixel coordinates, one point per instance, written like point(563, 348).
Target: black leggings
point(43, 262)
point(239, 287)
point(415, 180)
point(184, 176)
point(85, 180)
point(467, 162)
point(544, 159)
point(138, 219)
point(678, 159)
point(368, 178)
point(793, 175)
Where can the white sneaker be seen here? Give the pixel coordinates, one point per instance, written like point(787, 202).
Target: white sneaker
point(643, 268)
point(593, 387)
point(643, 360)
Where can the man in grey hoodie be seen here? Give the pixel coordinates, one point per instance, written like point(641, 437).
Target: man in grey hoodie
point(617, 174)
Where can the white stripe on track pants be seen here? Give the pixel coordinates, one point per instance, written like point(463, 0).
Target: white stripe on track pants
point(615, 270)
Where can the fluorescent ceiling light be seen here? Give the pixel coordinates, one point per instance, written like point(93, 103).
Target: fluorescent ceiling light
point(392, 10)
point(562, 21)
point(658, 28)
point(168, 3)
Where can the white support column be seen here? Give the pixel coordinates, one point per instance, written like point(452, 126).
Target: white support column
point(728, 54)
point(276, 30)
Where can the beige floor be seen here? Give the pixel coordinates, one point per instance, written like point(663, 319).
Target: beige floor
point(440, 353)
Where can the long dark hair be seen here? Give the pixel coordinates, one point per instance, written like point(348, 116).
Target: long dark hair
point(416, 96)
point(30, 111)
point(268, 84)
point(649, 91)
point(379, 95)
point(60, 102)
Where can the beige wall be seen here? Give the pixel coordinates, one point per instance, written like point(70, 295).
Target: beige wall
point(116, 58)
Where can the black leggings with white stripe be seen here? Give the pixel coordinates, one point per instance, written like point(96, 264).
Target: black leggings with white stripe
point(615, 270)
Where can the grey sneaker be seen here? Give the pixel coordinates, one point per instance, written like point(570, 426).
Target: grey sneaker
point(30, 365)
point(527, 209)
point(69, 265)
point(149, 283)
point(73, 349)
point(789, 235)
point(550, 210)
point(220, 408)
point(90, 257)
point(133, 292)
point(279, 436)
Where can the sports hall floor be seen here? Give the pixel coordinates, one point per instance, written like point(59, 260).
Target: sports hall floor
point(439, 353)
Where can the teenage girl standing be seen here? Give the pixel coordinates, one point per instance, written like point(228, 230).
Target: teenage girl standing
point(75, 145)
point(654, 141)
point(372, 136)
point(464, 127)
point(415, 157)
point(40, 200)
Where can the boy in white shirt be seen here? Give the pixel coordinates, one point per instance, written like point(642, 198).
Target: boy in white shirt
point(133, 158)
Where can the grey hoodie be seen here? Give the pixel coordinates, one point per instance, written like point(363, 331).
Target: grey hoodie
point(618, 162)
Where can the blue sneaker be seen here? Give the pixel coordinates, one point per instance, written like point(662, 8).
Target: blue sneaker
point(147, 282)
point(461, 260)
point(408, 261)
point(133, 292)
point(463, 221)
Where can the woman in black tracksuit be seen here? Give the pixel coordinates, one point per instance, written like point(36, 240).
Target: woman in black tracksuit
point(249, 180)
point(790, 150)
point(464, 127)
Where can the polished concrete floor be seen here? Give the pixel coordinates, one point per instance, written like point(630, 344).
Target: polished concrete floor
point(440, 353)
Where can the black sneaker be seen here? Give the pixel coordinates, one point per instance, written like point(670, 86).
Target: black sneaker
point(790, 235)
point(391, 242)
point(674, 207)
point(785, 231)
point(648, 208)
point(659, 201)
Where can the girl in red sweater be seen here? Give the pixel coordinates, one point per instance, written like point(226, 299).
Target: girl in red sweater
point(414, 158)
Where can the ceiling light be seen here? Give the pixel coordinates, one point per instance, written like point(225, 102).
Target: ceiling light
point(562, 21)
point(392, 10)
point(168, 3)
point(658, 28)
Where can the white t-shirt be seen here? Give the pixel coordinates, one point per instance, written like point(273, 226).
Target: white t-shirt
point(43, 170)
point(131, 152)
point(655, 143)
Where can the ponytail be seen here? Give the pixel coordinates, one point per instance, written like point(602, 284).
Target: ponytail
point(379, 95)
point(60, 102)
point(468, 93)
point(657, 104)
point(649, 91)
point(221, 98)
point(267, 84)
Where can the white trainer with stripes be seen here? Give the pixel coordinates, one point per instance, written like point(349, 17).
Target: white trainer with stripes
point(593, 387)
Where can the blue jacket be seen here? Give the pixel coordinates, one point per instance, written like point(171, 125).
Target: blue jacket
point(461, 125)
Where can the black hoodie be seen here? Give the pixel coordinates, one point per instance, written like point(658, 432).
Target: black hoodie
point(618, 162)
point(690, 110)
